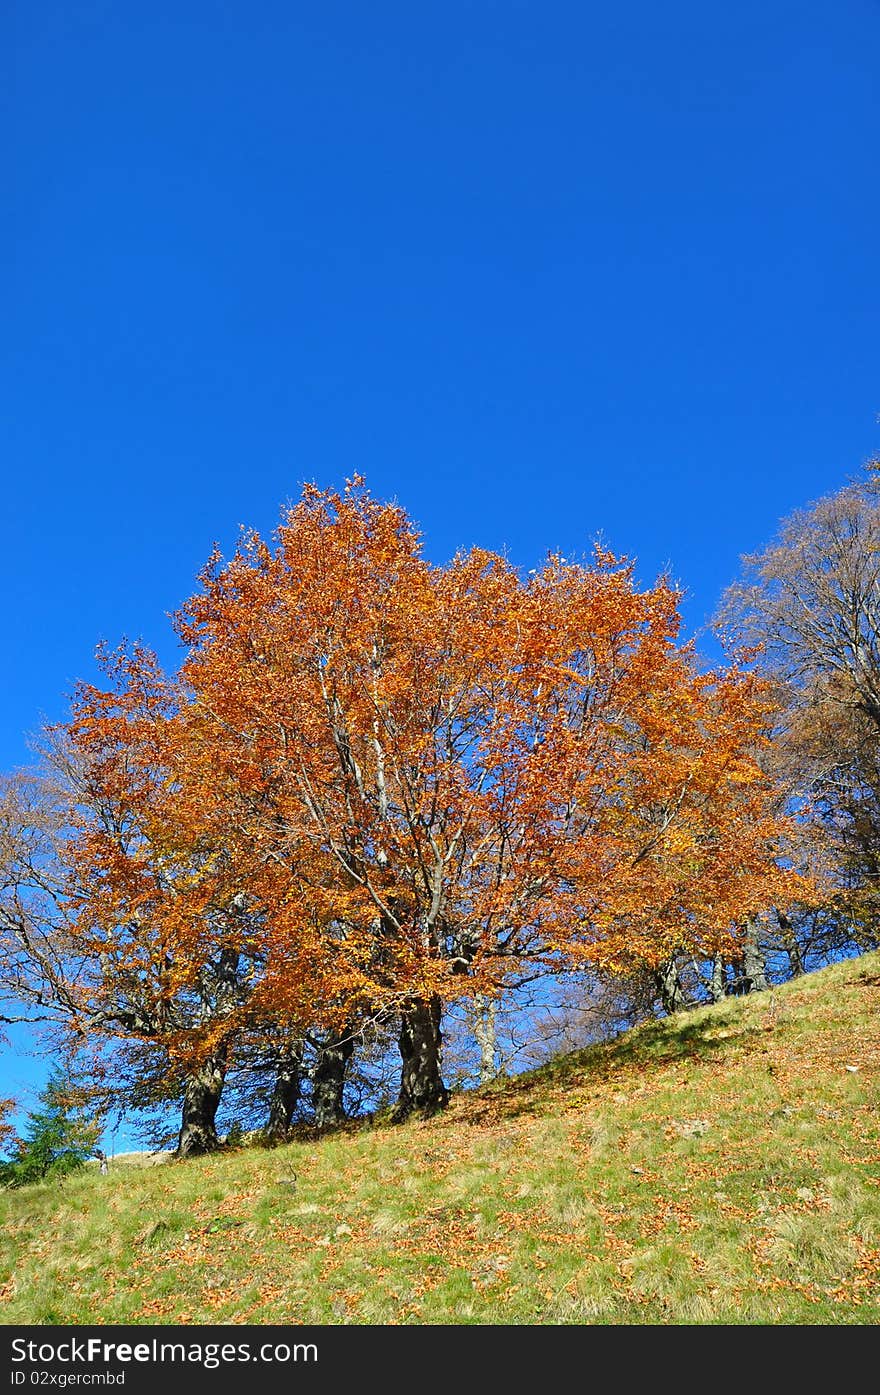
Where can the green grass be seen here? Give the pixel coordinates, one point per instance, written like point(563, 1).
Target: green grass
point(722, 1167)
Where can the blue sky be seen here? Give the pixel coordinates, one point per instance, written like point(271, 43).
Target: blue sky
point(537, 270)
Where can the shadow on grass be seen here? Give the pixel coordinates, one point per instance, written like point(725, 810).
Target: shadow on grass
point(709, 1038)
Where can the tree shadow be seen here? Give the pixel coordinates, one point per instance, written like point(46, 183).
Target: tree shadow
point(708, 1039)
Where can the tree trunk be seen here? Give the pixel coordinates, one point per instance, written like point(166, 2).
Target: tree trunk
point(669, 987)
point(718, 985)
point(286, 1091)
point(485, 1010)
point(754, 968)
point(789, 942)
point(421, 1085)
point(328, 1079)
point(201, 1097)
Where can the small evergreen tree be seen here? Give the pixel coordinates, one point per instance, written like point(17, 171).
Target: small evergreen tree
point(58, 1138)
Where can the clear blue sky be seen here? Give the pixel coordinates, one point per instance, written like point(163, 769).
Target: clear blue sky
point(538, 270)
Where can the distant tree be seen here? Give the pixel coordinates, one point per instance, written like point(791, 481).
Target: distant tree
point(39, 962)
point(59, 1136)
point(809, 606)
point(7, 1130)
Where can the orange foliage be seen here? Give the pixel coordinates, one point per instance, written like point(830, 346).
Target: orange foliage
point(376, 779)
point(8, 1133)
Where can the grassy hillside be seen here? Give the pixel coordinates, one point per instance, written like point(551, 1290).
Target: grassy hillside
point(723, 1167)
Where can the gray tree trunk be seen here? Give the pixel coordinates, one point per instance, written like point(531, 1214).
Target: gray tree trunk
point(201, 1098)
point(421, 1085)
point(286, 1091)
point(669, 987)
point(328, 1079)
point(203, 1088)
point(789, 942)
point(485, 1013)
point(753, 965)
point(718, 984)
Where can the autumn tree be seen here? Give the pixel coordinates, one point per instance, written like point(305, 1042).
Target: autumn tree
point(7, 1129)
point(39, 962)
point(171, 938)
point(378, 786)
point(701, 825)
point(142, 985)
point(437, 774)
point(809, 604)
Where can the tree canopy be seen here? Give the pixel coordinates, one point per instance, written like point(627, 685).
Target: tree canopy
point(377, 786)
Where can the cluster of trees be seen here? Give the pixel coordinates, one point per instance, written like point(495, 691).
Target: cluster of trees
point(380, 796)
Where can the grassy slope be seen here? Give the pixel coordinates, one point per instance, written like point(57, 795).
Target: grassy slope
point(720, 1168)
